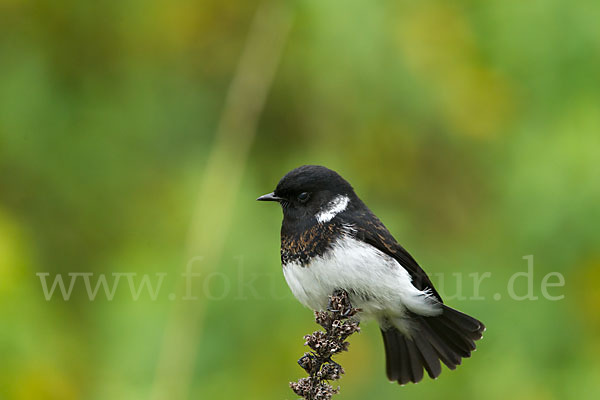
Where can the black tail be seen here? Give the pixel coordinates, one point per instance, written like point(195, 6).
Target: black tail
point(448, 337)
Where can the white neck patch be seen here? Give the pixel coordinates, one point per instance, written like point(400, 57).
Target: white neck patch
point(333, 208)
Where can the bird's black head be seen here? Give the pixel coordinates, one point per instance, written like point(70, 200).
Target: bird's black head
point(308, 192)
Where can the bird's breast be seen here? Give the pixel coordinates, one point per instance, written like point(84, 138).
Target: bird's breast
point(376, 282)
point(301, 246)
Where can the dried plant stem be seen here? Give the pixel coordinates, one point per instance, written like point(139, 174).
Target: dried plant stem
point(339, 324)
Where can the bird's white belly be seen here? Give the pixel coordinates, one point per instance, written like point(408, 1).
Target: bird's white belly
point(376, 282)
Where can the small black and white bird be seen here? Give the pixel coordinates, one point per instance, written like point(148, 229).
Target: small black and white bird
point(330, 240)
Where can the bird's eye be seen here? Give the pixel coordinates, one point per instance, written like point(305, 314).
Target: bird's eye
point(303, 197)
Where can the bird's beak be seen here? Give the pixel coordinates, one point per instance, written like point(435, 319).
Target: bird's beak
point(269, 197)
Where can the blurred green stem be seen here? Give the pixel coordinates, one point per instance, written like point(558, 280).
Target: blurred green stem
point(219, 189)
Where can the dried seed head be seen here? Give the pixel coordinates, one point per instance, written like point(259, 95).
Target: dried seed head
point(338, 324)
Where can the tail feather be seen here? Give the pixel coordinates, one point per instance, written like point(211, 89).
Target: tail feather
point(446, 351)
point(467, 334)
point(398, 368)
point(429, 357)
point(415, 361)
point(460, 345)
point(393, 364)
point(405, 368)
point(462, 320)
point(448, 337)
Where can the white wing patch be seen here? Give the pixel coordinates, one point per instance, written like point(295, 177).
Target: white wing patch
point(333, 208)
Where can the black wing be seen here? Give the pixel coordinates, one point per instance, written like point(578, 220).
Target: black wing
point(371, 230)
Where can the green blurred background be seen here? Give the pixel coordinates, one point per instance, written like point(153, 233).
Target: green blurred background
point(135, 135)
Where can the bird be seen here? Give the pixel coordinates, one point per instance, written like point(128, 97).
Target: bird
point(331, 241)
